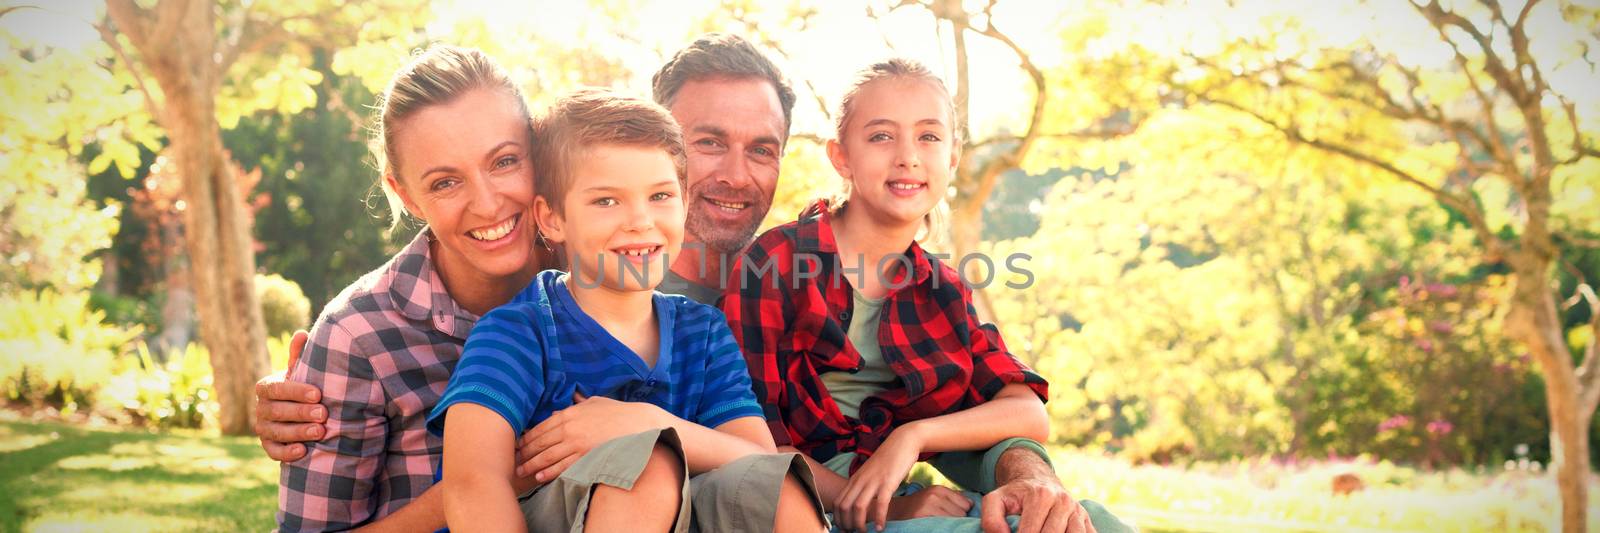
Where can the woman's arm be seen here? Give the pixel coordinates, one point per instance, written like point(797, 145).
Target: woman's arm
point(478, 461)
point(333, 486)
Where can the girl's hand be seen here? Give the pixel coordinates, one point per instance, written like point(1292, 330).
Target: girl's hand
point(546, 451)
point(866, 496)
point(936, 500)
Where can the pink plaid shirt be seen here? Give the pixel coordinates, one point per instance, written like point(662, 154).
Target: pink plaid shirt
point(382, 353)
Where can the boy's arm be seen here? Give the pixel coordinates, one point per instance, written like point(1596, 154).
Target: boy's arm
point(478, 454)
point(422, 515)
point(829, 483)
point(564, 437)
point(707, 449)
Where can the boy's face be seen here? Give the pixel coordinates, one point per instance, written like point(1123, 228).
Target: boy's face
point(623, 217)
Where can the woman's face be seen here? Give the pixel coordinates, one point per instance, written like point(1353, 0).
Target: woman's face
point(463, 167)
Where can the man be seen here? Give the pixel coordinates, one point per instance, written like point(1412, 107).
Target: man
point(735, 109)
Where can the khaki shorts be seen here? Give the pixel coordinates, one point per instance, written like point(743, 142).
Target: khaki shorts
point(739, 496)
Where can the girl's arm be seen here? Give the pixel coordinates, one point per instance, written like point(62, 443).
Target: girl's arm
point(478, 463)
point(1015, 412)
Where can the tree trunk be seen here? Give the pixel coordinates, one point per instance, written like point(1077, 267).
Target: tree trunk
point(222, 266)
point(1534, 320)
point(216, 225)
point(966, 234)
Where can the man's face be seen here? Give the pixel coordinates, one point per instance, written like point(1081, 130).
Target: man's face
point(733, 130)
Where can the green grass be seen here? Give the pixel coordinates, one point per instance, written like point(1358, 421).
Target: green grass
point(57, 477)
point(1260, 495)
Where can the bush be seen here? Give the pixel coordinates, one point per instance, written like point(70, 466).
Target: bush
point(175, 394)
point(58, 351)
point(284, 307)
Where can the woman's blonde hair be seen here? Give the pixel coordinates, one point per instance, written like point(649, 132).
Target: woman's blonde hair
point(933, 223)
point(436, 76)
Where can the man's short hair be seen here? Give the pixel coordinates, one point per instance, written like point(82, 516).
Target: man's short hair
point(721, 55)
point(586, 119)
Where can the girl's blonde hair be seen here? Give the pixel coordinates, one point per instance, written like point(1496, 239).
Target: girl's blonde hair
point(933, 224)
point(436, 76)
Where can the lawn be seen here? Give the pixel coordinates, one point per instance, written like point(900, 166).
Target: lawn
point(58, 477)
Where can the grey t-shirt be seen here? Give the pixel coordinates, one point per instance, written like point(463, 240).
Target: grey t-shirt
point(675, 284)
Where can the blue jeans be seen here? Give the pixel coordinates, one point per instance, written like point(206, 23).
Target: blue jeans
point(975, 470)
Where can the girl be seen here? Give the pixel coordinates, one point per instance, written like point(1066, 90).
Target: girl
point(864, 349)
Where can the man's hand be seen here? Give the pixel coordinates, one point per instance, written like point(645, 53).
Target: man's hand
point(546, 451)
point(933, 501)
point(866, 496)
point(287, 413)
point(1043, 503)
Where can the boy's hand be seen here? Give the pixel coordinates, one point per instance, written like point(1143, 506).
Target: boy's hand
point(936, 500)
point(866, 496)
point(550, 447)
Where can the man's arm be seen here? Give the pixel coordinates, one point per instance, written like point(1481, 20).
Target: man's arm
point(1028, 486)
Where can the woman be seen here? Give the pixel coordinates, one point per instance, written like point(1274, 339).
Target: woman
point(452, 140)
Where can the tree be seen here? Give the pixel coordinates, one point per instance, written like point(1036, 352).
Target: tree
point(211, 64)
point(1488, 136)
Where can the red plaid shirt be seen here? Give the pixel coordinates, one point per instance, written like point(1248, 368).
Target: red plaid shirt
point(792, 327)
point(381, 352)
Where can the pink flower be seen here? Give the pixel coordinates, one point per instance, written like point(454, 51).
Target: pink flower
point(1440, 427)
point(1393, 423)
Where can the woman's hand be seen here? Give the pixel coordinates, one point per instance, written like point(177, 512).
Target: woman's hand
point(866, 496)
point(546, 451)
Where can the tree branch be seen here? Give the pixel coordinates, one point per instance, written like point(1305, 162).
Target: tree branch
point(1084, 134)
point(110, 38)
point(1497, 148)
point(130, 20)
point(1589, 370)
point(991, 170)
point(1474, 217)
point(1580, 149)
point(1509, 81)
point(169, 16)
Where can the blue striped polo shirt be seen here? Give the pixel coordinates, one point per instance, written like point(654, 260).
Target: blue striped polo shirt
point(525, 359)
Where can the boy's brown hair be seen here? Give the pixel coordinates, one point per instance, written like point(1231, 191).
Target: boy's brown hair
point(589, 118)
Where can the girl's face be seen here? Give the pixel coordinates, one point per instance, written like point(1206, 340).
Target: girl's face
point(463, 168)
point(897, 150)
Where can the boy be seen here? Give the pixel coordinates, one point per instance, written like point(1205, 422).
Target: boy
point(628, 391)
